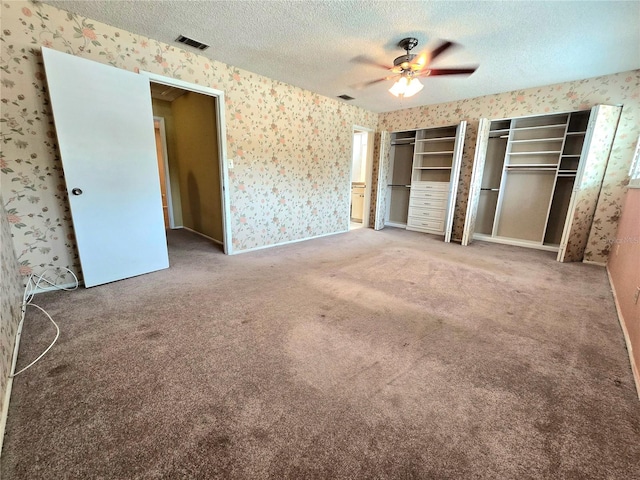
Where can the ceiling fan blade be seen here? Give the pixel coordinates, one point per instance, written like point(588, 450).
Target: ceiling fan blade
point(440, 49)
point(448, 71)
point(360, 86)
point(363, 59)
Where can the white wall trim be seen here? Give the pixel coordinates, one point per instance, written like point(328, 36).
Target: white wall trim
point(516, 243)
point(7, 394)
point(57, 287)
point(288, 242)
point(200, 234)
point(635, 369)
point(167, 175)
point(591, 262)
point(395, 225)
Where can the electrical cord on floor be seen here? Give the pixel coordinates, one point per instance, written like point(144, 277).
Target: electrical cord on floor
point(30, 289)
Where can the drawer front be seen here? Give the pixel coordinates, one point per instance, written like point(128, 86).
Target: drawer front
point(428, 213)
point(432, 186)
point(427, 202)
point(428, 193)
point(425, 225)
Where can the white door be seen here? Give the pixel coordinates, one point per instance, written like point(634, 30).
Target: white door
point(455, 176)
point(479, 158)
point(603, 122)
point(104, 124)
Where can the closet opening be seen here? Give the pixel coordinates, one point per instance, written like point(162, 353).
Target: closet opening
point(361, 172)
point(536, 180)
point(399, 180)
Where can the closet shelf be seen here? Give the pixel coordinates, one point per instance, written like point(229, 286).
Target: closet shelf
point(540, 167)
point(398, 185)
point(445, 152)
point(576, 133)
point(565, 155)
point(527, 165)
point(440, 139)
point(558, 125)
point(432, 168)
point(543, 152)
point(533, 140)
point(532, 169)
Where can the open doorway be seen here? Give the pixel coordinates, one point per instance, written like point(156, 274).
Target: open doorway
point(190, 125)
point(361, 168)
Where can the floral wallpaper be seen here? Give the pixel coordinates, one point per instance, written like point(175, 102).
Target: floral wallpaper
point(10, 300)
point(621, 88)
point(591, 181)
point(291, 148)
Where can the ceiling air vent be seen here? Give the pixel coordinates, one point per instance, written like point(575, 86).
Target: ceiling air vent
point(345, 97)
point(191, 42)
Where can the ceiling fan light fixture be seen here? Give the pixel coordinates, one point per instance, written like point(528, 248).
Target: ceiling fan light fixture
point(414, 87)
point(406, 87)
point(399, 87)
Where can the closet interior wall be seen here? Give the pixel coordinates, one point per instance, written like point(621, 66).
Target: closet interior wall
point(399, 182)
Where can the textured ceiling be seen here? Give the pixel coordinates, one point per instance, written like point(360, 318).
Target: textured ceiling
point(313, 44)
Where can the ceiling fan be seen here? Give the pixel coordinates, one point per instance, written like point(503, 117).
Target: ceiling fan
point(408, 67)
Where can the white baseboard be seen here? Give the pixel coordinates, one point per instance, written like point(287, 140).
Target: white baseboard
point(201, 234)
point(634, 368)
point(395, 224)
point(7, 393)
point(590, 262)
point(516, 243)
point(57, 287)
point(288, 242)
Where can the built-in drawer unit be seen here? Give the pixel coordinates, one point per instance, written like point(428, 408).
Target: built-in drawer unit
point(425, 225)
point(427, 206)
point(429, 213)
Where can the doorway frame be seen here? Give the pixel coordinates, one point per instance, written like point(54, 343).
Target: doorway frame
point(221, 132)
point(167, 177)
point(366, 214)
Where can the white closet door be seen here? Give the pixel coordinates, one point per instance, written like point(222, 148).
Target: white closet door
point(594, 157)
point(104, 124)
point(383, 174)
point(455, 176)
point(479, 157)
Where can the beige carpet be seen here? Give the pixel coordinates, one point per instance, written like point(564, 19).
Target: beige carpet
point(364, 355)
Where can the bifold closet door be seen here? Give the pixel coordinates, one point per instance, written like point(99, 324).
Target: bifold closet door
point(461, 130)
point(479, 157)
point(596, 148)
point(384, 147)
point(104, 125)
